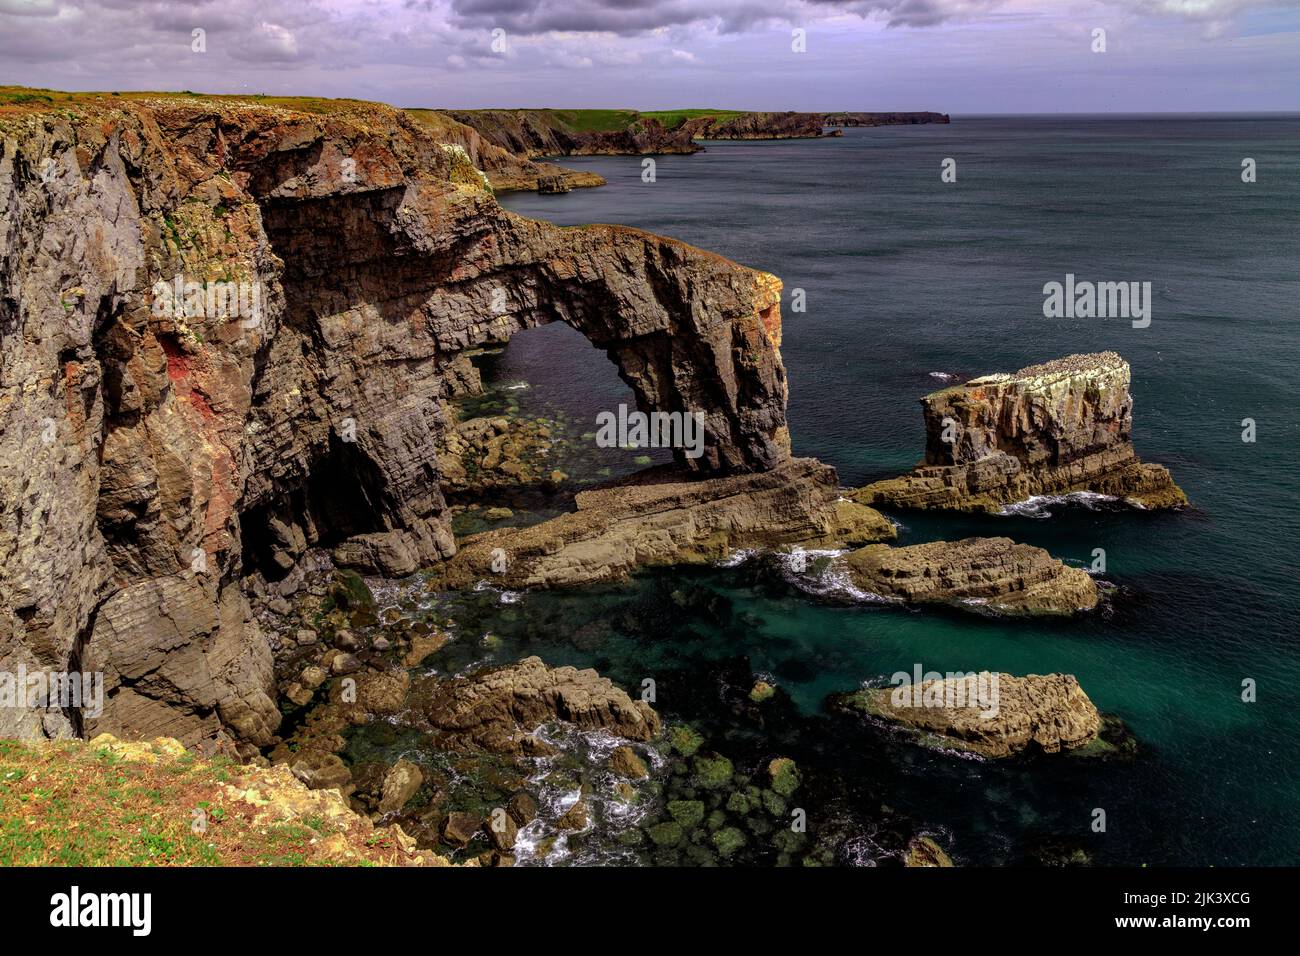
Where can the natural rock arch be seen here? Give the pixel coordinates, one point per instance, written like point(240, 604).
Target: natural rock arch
point(381, 255)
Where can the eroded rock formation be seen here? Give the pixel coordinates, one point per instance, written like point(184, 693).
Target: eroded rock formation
point(661, 517)
point(995, 575)
point(332, 265)
point(1047, 714)
point(496, 709)
point(1051, 429)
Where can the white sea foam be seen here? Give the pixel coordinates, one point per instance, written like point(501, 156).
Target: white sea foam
point(1036, 506)
point(736, 558)
point(830, 582)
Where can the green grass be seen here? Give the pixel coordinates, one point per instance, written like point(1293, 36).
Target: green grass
point(65, 803)
point(595, 121)
point(671, 119)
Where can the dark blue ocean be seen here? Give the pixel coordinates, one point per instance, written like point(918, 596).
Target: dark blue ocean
point(905, 276)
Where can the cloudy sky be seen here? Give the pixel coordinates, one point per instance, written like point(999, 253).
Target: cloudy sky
point(958, 56)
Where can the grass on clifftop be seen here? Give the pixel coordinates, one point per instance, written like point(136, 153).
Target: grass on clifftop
point(78, 803)
point(21, 98)
point(671, 119)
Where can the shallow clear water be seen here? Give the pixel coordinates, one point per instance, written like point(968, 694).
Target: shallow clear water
point(905, 276)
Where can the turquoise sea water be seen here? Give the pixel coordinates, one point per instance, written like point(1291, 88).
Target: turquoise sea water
point(906, 276)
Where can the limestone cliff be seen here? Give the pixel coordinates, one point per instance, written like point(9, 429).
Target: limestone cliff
point(1050, 429)
point(224, 326)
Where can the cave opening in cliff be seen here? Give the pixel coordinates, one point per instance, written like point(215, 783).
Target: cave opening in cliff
point(338, 499)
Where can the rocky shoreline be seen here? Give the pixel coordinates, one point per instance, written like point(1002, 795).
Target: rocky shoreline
point(526, 135)
point(192, 497)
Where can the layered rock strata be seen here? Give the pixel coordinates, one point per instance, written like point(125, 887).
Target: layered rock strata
point(995, 575)
point(508, 170)
point(1064, 426)
point(228, 332)
point(1046, 714)
point(662, 517)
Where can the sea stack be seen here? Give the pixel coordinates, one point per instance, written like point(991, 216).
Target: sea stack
point(1052, 429)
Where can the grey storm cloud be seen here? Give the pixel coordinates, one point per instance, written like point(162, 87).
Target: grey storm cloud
point(638, 16)
point(630, 17)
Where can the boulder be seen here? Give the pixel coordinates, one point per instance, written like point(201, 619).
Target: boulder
point(400, 784)
point(1046, 714)
point(460, 826)
point(321, 770)
point(625, 762)
point(496, 709)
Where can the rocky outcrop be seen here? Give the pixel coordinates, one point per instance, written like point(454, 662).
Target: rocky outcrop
point(994, 575)
point(757, 126)
point(1046, 714)
point(883, 119)
point(534, 133)
point(1052, 429)
point(159, 450)
point(552, 185)
point(661, 517)
point(507, 170)
point(496, 710)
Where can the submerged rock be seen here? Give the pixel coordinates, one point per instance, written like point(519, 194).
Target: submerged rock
point(925, 851)
point(1061, 427)
point(498, 708)
point(990, 574)
point(625, 762)
point(1048, 713)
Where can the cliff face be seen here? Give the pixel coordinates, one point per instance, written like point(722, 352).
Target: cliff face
point(156, 448)
point(505, 169)
point(883, 119)
point(534, 133)
point(1049, 429)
